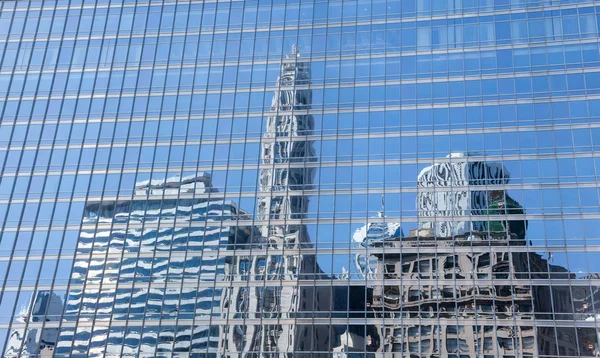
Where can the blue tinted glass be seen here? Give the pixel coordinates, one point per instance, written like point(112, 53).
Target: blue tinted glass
point(291, 178)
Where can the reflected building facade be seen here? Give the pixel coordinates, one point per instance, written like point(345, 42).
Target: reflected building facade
point(146, 284)
point(464, 287)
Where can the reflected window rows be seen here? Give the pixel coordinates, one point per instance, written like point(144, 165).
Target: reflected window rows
point(209, 130)
point(384, 72)
point(171, 8)
point(461, 59)
point(333, 71)
point(380, 144)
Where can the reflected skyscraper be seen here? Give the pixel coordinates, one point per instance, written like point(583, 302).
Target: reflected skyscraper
point(275, 254)
point(146, 284)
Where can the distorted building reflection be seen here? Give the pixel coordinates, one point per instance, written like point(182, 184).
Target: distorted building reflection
point(364, 264)
point(44, 309)
point(274, 254)
point(148, 272)
point(460, 283)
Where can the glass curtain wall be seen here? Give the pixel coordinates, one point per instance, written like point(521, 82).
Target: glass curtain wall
point(299, 178)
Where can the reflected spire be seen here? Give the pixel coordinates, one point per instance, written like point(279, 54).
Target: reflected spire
point(281, 198)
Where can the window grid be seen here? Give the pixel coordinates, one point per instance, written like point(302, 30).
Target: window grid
point(330, 178)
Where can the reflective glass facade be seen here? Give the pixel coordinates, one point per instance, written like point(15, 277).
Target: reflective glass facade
point(299, 178)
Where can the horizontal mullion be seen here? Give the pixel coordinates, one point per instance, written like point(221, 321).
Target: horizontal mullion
point(264, 138)
point(533, 6)
point(246, 89)
point(307, 193)
point(318, 57)
point(217, 282)
point(366, 107)
point(8, 226)
point(317, 321)
point(97, 253)
point(349, 162)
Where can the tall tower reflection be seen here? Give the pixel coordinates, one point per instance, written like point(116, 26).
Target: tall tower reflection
point(276, 250)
